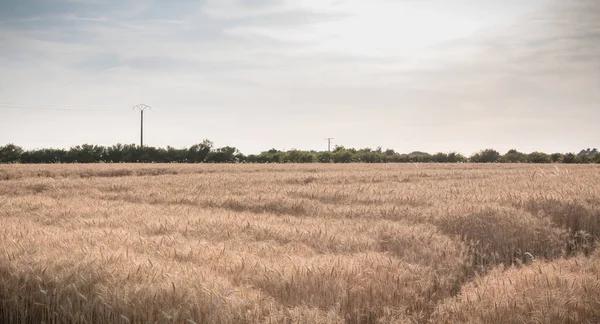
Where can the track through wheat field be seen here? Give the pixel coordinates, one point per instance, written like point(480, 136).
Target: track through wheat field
point(357, 243)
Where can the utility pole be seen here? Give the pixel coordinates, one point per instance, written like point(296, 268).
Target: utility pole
point(329, 143)
point(141, 108)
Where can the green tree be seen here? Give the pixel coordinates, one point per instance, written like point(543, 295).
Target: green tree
point(252, 158)
point(199, 152)
point(556, 157)
point(240, 157)
point(583, 159)
point(389, 153)
point(296, 156)
point(225, 154)
point(324, 157)
point(514, 156)
point(149, 154)
point(569, 158)
point(368, 156)
point(271, 156)
point(176, 155)
point(122, 153)
point(86, 153)
point(342, 156)
point(485, 156)
point(538, 157)
point(10, 153)
point(586, 156)
point(45, 156)
point(421, 157)
point(454, 157)
point(440, 157)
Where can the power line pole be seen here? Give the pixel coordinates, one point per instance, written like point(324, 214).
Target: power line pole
point(141, 108)
point(329, 143)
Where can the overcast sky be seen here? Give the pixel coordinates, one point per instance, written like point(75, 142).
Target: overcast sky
point(429, 75)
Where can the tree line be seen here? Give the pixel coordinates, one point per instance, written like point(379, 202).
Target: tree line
point(205, 152)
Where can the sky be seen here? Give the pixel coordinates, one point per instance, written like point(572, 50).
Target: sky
point(427, 75)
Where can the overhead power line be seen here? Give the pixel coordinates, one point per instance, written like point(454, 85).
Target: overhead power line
point(201, 110)
point(55, 109)
point(51, 105)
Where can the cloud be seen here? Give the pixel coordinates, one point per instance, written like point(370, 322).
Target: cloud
point(547, 62)
point(239, 9)
point(388, 68)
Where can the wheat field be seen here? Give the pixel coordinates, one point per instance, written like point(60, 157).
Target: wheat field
point(356, 243)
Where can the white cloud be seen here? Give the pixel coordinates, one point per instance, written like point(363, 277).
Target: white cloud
point(429, 75)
